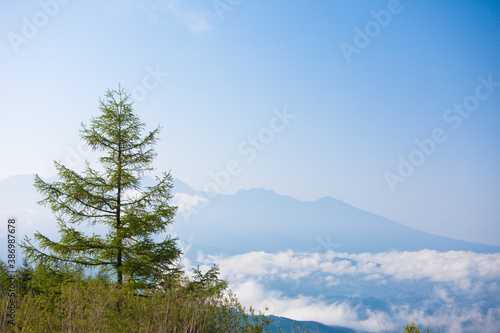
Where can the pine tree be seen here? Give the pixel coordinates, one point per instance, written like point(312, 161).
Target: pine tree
point(104, 197)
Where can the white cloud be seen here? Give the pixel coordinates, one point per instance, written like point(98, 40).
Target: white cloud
point(195, 18)
point(455, 275)
point(437, 266)
point(454, 266)
point(456, 320)
point(469, 320)
point(185, 201)
point(302, 307)
point(443, 295)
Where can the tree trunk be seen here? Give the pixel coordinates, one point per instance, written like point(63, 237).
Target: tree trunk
point(118, 211)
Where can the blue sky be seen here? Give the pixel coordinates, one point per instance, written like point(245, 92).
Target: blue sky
point(352, 118)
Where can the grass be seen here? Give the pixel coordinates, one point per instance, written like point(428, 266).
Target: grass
point(66, 301)
point(50, 302)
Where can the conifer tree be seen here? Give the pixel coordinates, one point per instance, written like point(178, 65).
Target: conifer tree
point(129, 249)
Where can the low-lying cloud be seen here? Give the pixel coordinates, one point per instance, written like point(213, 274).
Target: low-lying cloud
point(453, 266)
point(185, 201)
point(452, 287)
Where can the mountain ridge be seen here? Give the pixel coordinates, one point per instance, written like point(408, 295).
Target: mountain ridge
point(323, 224)
point(260, 219)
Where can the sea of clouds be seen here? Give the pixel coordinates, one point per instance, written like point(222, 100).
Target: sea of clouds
point(451, 291)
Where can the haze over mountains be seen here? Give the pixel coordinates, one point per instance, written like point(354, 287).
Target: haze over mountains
point(261, 220)
point(322, 260)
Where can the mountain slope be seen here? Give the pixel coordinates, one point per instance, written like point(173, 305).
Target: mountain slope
point(261, 220)
point(308, 326)
point(255, 220)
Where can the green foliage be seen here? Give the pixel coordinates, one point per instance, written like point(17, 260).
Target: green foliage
point(295, 328)
point(151, 292)
point(71, 302)
point(128, 250)
point(413, 329)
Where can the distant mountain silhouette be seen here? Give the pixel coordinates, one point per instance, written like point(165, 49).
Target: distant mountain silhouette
point(261, 220)
point(308, 326)
point(256, 220)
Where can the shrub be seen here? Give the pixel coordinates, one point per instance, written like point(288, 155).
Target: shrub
point(70, 302)
point(413, 329)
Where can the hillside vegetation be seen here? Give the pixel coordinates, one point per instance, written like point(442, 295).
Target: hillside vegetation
point(124, 280)
point(67, 301)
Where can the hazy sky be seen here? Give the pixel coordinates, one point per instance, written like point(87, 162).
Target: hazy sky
point(390, 106)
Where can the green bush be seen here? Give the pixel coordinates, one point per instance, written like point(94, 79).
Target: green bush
point(413, 329)
point(66, 301)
